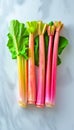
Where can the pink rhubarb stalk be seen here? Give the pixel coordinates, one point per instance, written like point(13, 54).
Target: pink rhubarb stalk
point(32, 29)
point(50, 30)
point(41, 82)
point(58, 26)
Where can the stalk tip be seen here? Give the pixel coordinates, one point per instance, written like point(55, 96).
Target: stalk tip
point(51, 30)
point(40, 105)
point(49, 105)
point(41, 27)
point(58, 25)
point(31, 102)
point(22, 104)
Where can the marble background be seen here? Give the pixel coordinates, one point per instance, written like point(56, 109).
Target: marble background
point(12, 117)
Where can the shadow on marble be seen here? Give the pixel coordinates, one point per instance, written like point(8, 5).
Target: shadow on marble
point(65, 76)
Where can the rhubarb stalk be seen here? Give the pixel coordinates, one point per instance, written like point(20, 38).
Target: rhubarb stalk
point(18, 45)
point(50, 30)
point(32, 28)
point(22, 76)
point(58, 26)
point(41, 83)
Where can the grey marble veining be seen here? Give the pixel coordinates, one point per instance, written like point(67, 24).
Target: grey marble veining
point(12, 117)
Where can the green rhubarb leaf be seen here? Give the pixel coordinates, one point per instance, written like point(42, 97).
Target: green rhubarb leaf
point(63, 42)
point(46, 39)
point(36, 50)
point(51, 23)
point(24, 47)
point(18, 39)
point(11, 47)
point(59, 61)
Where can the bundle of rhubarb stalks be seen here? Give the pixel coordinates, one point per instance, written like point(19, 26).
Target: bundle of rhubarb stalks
point(37, 46)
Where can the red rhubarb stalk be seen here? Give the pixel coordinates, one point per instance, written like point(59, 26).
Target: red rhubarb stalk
point(58, 26)
point(50, 30)
point(41, 83)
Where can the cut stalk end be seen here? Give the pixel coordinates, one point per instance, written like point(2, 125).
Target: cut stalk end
point(51, 30)
point(58, 25)
point(31, 102)
point(41, 27)
point(22, 104)
point(39, 105)
point(50, 105)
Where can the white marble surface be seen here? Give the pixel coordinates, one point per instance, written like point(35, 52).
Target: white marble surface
point(12, 117)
